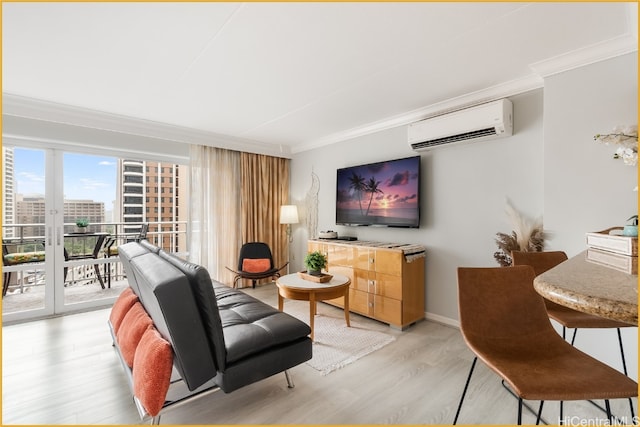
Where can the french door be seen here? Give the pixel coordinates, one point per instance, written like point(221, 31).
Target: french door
point(41, 205)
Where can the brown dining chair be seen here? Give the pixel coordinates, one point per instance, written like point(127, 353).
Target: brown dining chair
point(505, 324)
point(565, 316)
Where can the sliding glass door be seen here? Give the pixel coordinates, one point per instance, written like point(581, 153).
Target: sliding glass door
point(50, 265)
point(28, 233)
point(64, 215)
point(89, 186)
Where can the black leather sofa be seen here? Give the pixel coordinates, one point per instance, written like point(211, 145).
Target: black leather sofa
point(221, 338)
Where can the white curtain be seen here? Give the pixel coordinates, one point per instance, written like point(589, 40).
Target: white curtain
point(215, 234)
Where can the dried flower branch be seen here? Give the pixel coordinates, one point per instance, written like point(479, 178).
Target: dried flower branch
point(527, 236)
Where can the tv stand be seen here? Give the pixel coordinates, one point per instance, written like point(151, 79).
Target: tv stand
point(387, 279)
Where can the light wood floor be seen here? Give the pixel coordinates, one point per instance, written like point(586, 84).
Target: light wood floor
point(65, 371)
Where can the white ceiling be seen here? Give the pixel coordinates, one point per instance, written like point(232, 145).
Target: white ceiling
point(296, 75)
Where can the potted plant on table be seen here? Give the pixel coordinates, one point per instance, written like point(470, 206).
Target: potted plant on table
point(315, 262)
point(82, 224)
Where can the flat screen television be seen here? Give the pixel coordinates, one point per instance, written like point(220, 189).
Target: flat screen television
point(383, 193)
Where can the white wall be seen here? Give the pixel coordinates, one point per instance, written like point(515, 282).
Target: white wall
point(550, 166)
point(584, 188)
point(462, 200)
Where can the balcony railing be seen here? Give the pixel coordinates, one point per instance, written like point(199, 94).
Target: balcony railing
point(159, 232)
point(29, 277)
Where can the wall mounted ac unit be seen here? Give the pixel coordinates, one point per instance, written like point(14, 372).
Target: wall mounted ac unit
point(478, 123)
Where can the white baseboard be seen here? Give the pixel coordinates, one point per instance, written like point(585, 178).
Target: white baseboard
point(442, 319)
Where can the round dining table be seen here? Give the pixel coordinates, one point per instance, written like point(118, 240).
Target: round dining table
point(585, 284)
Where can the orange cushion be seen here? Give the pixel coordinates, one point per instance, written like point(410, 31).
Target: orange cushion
point(257, 265)
point(152, 371)
point(125, 301)
point(133, 326)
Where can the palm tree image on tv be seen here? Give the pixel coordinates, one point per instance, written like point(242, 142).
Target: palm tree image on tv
point(384, 193)
point(371, 187)
point(356, 183)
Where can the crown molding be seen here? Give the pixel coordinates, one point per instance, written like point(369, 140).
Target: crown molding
point(16, 105)
point(601, 51)
point(540, 70)
point(35, 109)
point(503, 90)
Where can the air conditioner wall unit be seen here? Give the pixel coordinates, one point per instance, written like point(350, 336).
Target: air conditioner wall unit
point(481, 122)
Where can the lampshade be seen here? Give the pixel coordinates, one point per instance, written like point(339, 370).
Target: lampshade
point(288, 214)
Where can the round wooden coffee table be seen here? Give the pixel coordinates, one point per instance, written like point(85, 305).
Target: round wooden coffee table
point(294, 287)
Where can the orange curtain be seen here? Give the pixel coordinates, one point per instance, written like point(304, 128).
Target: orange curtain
point(265, 187)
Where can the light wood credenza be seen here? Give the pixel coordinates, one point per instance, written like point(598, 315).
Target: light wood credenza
point(387, 279)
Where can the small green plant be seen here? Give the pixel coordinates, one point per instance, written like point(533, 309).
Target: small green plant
point(315, 261)
point(82, 222)
point(633, 219)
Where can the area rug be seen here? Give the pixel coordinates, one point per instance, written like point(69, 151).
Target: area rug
point(336, 345)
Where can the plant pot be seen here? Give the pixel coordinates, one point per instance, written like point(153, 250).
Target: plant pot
point(81, 229)
point(314, 272)
point(630, 230)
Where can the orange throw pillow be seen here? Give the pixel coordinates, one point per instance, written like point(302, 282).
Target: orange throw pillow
point(152, 371)
point(123, 304)
point(133, 326)
point(256, 265)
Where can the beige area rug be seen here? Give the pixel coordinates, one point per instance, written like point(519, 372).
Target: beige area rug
point(336, 345)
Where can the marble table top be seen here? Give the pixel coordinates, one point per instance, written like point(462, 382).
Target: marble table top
point(294, 281)
point(591, 288)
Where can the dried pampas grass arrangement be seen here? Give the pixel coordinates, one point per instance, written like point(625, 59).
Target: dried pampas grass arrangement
point(527, 236)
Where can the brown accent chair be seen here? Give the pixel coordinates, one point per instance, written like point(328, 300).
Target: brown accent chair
point(504, 322)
